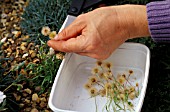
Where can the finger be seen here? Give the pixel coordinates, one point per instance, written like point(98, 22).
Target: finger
point(73, 30)
point(92, 55)
point(70, 45)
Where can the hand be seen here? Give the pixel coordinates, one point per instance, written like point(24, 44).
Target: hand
point(98, 33)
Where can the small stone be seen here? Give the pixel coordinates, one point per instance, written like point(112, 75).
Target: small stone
point(14, 12)
point(43, 99)
point(38, 88)
point(14, 25)
point(27, 101)
point(33, 55)
point(36, 60)
point(31, 51)
point(34, 110)
point(25, 55)
point(24, 44)
point(27, 109)
point(34, 104)
point(12, 18)
point(6, 24)
point(25, 94)
point(16, 33)
point(3, 40)
point(17, 97)
point(3, 15)
point(44, 95)
point(25, 51)
point(23, 48)
point(3, 21)
point(21, 105)
point(17, 54)
point(9, 50)
point(12, 41)
point(43, 104)
point(5, 44)
point(46, 111)
point(17, 28)
point(28, 91)
point(35, 98)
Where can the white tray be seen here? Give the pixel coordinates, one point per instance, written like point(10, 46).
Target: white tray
point(68, 94)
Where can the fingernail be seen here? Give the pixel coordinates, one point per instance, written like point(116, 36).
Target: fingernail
point(56, 37)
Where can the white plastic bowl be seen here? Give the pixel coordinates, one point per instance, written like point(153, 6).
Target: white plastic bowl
point(68, 94)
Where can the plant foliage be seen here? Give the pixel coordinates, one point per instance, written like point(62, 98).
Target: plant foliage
point(41, 13)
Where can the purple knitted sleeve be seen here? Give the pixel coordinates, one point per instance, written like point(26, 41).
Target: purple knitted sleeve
point(159, 20)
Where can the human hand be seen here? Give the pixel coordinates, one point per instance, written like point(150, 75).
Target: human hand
point(98, 33)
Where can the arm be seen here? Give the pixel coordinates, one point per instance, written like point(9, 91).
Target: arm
point(98, 33)
point(159, 20)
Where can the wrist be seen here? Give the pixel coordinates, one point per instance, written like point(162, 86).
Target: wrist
point(133, 18)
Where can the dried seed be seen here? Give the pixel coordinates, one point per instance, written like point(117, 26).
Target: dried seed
point(132, 95)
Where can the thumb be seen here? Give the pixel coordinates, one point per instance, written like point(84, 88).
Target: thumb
point(72, 31)
point(70, 45)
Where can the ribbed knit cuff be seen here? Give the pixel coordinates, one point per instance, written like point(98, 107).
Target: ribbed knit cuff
point(159, 20)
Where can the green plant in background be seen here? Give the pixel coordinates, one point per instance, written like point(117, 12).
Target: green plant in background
point(40, 73)
point(41, 13)
point(43, 73)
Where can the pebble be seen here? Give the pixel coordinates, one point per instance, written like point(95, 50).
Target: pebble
point(28, 91)
point(34, 110)
point(35, 98)
point(4, 39)
point(10, 16)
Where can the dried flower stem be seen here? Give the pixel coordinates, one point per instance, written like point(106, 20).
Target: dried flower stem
point(116, 90)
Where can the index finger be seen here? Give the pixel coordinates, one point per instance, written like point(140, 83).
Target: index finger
point(70, 45)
